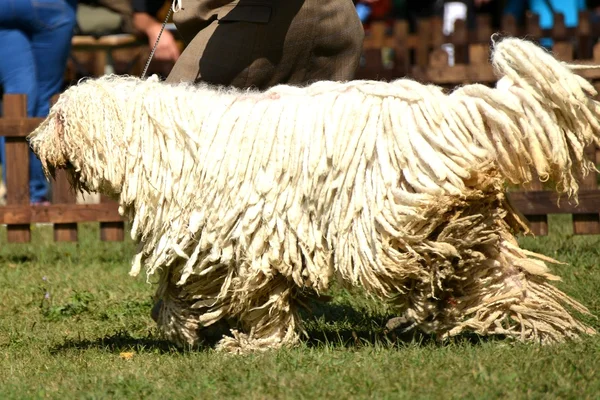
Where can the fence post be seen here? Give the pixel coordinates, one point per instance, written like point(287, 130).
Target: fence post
point(460, 40)
point(584, 36)
point(111, 231)
point(372, 53)
point(559, 29)
point(484, 30)
point(62, 194)
point(401, 51)
point(537, 222)
point(509, 26)
point(17, 167)
point(423, 42)
point(589, 223)
point(532, 27)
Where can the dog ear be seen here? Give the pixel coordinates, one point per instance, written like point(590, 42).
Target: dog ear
point(59, 125)
point(53, 156)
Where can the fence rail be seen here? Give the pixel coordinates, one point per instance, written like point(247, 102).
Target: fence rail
point(418, 55)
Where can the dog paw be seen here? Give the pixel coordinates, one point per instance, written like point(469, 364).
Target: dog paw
point(242, 343)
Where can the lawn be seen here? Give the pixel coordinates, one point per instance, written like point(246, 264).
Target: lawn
point(73, 324)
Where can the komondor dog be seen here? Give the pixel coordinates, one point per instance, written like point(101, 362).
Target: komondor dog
point(244, 203)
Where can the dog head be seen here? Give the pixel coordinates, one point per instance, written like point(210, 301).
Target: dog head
point(86, 133)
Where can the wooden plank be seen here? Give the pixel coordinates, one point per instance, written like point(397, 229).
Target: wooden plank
point(590, 74)
point(584, 35)
point(111, 231)
point(423, 42)
point(131, 60)
point(559, 29)
point(563, 51)
point(59, 213)
point(484, 30)
point(596, 53)
point(456, 74)
point(83, 62)
point(532, 27)
point(538, 223)
point(18, 127)
point(401, 49)
point(468, 73)
point(99, 66)
point(538, 219)
point(509, 26)
point(479, 55)
point(378, 37)
point(63, 194)
point(460, 39)
point(586, 224)
point(90, 43)
point(544, 202)
point(372, 68)
point(438, 59)
point(367, 42)
point(437, 32)
point(17, 167)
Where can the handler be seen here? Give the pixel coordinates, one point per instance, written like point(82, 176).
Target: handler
point(261, 43)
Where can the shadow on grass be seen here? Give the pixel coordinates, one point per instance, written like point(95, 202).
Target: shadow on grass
point(360, 329)
point(118, 342)
point(17, 258)
point(342, 325)
point(334, 325)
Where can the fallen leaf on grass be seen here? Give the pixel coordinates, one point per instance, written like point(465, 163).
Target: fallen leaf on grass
point(126, 355)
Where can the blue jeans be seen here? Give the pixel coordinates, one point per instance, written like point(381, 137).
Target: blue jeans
point(35, 41)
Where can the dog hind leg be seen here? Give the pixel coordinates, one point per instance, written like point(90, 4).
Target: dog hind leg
point(268, 316)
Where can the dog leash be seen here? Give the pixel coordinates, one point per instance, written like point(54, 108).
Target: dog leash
point(175, 6)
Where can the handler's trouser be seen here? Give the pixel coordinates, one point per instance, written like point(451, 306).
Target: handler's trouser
point(35, 40)
point(261, 43)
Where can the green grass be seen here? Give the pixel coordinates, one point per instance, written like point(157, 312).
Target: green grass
point(68, 311)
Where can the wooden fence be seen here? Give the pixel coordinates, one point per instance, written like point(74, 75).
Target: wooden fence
point(419, 54)
point(63, 213)
point(390, 51)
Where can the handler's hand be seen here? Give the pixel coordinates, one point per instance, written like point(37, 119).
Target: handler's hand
point(167, 49)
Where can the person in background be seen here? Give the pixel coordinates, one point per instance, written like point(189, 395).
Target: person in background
point(594, 7)
point(35, 41)
point(369, 10)
point(261, 43)
point(137, 17)
point(145, 21)
point(546, 9)
point(363, 10)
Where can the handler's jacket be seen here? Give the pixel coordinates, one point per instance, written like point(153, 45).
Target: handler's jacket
point(261, 43)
